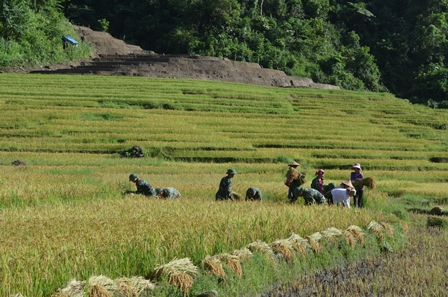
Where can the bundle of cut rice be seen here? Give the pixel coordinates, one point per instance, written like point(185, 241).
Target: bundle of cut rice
point(180, 272)
point(261, 246)
point(315, 246)
point(331, 234)
point(98, 291)
point(243, 254)
point(350, 238)
point(367, 182)
point(357, 233)
point(213, 266)
point(282, 247)
point(292, 174)
point(298, 243)
point(233, 262)
point(135, 286)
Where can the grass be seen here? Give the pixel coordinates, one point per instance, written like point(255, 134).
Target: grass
point(63, 215)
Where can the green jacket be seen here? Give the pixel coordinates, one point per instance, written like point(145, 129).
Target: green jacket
point(225, 189)
point(313, 196)
point(143, 187)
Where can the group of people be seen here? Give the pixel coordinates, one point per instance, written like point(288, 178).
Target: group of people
point(145, 188)
point(319, 193)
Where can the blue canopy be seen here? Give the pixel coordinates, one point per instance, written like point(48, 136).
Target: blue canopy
point(69, 39)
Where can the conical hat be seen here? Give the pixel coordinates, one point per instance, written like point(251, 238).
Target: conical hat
point(348, 183)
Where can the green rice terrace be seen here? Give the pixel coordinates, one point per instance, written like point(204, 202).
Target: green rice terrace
point(68, 231)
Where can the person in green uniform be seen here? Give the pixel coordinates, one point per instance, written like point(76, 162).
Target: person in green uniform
point(143, 187)
point(310, 195)
point(225, 186)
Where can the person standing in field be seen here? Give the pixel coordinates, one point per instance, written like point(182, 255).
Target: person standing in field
point(294, 179)
point(355, 176)
point(342, 194)
point(311, 196)
point(253, 194)
point(318, 182)
point(169, 192)
point(225, 186)
point(143, 187)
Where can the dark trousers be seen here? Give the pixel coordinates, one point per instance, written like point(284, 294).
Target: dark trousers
point(358, 198)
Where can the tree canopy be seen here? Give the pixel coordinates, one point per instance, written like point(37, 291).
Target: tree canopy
point(395, 45)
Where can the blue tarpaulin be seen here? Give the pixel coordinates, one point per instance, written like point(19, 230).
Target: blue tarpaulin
point(69, 39)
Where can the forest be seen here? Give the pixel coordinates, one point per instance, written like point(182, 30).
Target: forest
point(396, 46)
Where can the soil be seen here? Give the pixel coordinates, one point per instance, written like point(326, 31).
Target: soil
point(112, 56)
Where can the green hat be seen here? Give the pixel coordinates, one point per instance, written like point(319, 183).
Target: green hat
point(158, 190)
point(231, 171)
point(132, 176)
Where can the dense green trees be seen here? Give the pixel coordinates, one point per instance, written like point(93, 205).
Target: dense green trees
point(31, 31)
point(377, 45)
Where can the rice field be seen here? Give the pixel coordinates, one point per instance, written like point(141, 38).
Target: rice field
point(63, 215)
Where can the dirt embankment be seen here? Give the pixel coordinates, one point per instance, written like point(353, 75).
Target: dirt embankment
point(112, 56)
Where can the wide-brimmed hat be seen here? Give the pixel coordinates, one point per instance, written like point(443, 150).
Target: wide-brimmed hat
point(294, 164)
point(320, 171)
point(231, 171)
point(357, 165)
point(348, 184)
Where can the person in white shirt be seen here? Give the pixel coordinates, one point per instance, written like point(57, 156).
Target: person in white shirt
point(342, 194)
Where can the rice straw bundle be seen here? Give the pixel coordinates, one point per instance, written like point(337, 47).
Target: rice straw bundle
point(377, 228)
point(298, 243)
point(350, 238)
point(98, 291)
point(332, 234)
point(292, 174)
point(213, 266)
point(283, 247)
point(261, 246)
point(243, 254)
point(180, 272)
point(135, 286)
point(357, 233)
point(316, 236)
point(182, 280)
point(233, 262)
point(367, 182)
point(314, 245)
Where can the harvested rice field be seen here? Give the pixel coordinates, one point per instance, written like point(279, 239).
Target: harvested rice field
point(68, 229)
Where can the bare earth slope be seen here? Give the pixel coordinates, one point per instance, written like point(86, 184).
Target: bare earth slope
point(112, 56)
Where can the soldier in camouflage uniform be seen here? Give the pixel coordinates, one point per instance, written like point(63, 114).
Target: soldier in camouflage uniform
point(143, 187)
point(169, 192)
point(253, 194)
point(225, 186)
point(310, 195)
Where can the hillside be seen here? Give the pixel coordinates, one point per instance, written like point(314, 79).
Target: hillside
point(65, 218)
point(111, 56)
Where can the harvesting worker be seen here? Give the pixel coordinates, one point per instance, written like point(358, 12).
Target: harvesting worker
point(253, 194)
point(143, 187)
point(341, 195)
point(294, 179)
point(225, 186)
point(318, 182)
point(354, 176)
point(311, 196)
point(169, 192)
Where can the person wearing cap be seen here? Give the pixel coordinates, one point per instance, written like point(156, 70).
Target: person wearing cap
point(253, 194)
point(318, 182)
point(143, 187)
point(169, 192)
point(357, 175)
point(341, 195)
point(294, 179)
point(311, 196)
point(225, 186)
